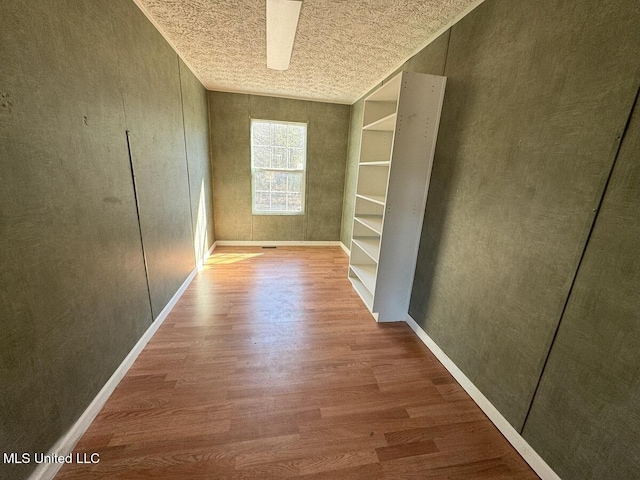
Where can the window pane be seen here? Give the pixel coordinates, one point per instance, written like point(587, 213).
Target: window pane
point(261, 133)
point(279, 134)
point(295, 135)
point(295, 182)
point(279, 182)
point(262, 157)
point(278, 157)
point(263, 203)
point(296, 158)
point(278, 202)
point(294, 201)
point(262, 181)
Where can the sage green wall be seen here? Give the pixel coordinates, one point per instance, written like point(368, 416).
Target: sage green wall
point(538, 96)
point(195, 111)
point(73, 294)
point(327, 131)
point(431, 60)
point(532, 117)
point(153, 113)
point(585, 416)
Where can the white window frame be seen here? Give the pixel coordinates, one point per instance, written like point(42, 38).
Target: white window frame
point(255, 169)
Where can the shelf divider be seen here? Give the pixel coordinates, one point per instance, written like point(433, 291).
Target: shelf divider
point(369, 245)
point(385, 124)
point(379, 199)
point(382, 163)
point(362, 291)
point(367, 275)
point(372, 222)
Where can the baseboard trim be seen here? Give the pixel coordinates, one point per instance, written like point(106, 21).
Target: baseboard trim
point(387, 321)
point(276, 243)
point(200, 265)
point(65, 445)
point(535, 461)
point(346, 250)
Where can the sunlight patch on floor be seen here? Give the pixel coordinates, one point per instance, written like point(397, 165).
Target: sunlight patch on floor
point(228, 258)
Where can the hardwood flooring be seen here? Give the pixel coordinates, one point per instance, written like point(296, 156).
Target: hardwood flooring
point(270, 367)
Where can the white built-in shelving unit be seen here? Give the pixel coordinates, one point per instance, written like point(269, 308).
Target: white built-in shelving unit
point(399, 131)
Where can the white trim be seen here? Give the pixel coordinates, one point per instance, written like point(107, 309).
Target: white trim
point(206, 255)
point(424, 45)
point(534, 460)
point(65, 444)
point(346, 250)
point(276, 243)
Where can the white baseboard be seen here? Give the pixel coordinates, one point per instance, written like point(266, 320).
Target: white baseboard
point(346, 250)
point(276, 243)
point(200, 265)
point(525, 450)
point(386, 321)
point(65, 445)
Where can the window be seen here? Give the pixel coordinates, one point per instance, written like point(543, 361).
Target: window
point(278, 163)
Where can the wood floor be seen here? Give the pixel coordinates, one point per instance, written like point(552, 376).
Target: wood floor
point(270, 367)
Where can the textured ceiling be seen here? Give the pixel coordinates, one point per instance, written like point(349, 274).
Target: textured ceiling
point(342, 47)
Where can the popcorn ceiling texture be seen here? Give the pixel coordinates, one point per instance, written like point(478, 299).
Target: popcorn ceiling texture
point(342, 48)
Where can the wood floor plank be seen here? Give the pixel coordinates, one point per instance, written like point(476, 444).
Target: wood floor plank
point(406, 450)
point(270, 367)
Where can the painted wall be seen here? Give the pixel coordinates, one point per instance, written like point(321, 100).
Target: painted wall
point(538, 96)
point(195, 110)
point(74, 298)
point(327, 132)
point(585, 418)
point(151, 92)
point(524, 153)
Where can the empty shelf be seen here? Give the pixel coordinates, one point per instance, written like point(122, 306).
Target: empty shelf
point(373, 222)
point(365, 295)
point(381, 163)
point(379, 199)
point(367, 275)
point(386, 124)
point(370, 245)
